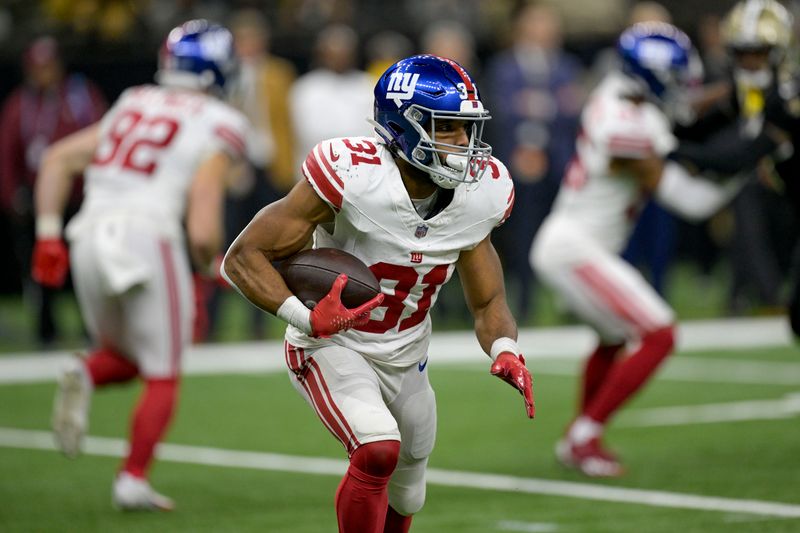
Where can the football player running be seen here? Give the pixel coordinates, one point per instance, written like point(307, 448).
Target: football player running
point(414, 203)
point(160, 157)
point(621, 160)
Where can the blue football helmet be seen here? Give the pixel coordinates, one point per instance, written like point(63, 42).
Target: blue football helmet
point(197, 55)
point(661, 58)
point(415, 92)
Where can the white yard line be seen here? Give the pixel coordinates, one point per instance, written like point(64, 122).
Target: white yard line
point(42, 440)
point(786, 407)
point(562, 343)
point(697, 370)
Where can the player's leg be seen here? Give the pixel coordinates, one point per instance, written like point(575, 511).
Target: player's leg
point(612, 296)
point(345, 393)
point(412, 402)
point(102, 317)
point(596, 368)
point(158, 315)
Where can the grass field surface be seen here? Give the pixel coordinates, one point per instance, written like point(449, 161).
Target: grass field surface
point(711, 445)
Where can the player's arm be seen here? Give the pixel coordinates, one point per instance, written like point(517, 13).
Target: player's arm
point(204, 211)
point(60, 164)
point(482, 280)
point(673, 186)
point(279, 230)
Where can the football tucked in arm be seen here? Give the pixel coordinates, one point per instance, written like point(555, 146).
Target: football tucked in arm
point(310, 274)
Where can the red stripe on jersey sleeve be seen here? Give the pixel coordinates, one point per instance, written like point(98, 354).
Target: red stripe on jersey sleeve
point(510, 203)
point(233, 139)
point(317, 178)
point(328, 166)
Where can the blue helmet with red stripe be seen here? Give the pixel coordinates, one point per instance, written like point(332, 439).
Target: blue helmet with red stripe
point(662, 60)
point(411, 96)
point(197, 55)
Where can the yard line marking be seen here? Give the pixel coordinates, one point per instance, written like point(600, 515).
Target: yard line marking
point(561, 343)
point(43, 440)
point(786, 407)
point(699, 370)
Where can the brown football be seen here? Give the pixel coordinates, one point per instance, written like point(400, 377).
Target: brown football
point(310, 274)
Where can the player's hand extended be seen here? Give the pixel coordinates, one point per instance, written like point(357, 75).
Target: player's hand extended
point(50, 262)
point(330, 316)
point(511, 369)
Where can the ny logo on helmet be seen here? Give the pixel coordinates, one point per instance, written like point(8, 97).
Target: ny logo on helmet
point(401, 86)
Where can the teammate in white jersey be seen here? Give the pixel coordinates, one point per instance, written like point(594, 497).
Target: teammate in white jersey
point(413, 203)
point(157, 159)
point(621, 160)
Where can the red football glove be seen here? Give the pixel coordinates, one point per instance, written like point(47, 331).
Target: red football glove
point(50, 262)
point(511, 369)
point(330, 316)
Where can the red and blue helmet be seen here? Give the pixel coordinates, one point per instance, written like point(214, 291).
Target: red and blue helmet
point(661, 58)
point(415, 92)
point(197, 54)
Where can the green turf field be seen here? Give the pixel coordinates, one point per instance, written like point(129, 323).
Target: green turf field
point(482, 430)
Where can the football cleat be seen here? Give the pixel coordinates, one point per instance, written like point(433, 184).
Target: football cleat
point(71, 409)
point(131, 493)
point(591, 459)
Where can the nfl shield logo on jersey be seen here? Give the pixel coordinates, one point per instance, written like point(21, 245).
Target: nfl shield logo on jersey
point(421, 231)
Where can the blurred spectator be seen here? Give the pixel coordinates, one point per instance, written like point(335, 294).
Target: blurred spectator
point(163, 15)
point(384, 49)
point(47, 106)
point(607, 59)
point(465, 13)
point(263, 94)
point(716, 61)
point(535, 99)
point(108, 20)
point(335, 98)
point(452, 40)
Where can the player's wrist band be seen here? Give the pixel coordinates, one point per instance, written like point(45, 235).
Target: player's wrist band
point(504, 344)
point(49, 226)
point(295, 313)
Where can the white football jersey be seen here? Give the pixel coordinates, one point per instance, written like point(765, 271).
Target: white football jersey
point(605, 206)
point(411, 257)
point(151, 142)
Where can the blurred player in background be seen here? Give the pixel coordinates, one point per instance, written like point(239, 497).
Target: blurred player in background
point(621, 161)
point(158, 158)
point(414, 203)
point(49, 105)
point(760, 36)
point(761, 117)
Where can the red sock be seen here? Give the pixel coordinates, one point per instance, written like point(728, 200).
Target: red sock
point(150, 421)
point(628, 376)
point(596, 369)
point(396, 523)
point(361, 499)
point(107, 366)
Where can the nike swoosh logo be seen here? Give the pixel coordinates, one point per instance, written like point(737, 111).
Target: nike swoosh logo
point(334, 155)
point(422, 364)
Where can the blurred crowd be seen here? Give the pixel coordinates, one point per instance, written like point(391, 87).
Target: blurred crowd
point(307, 72)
